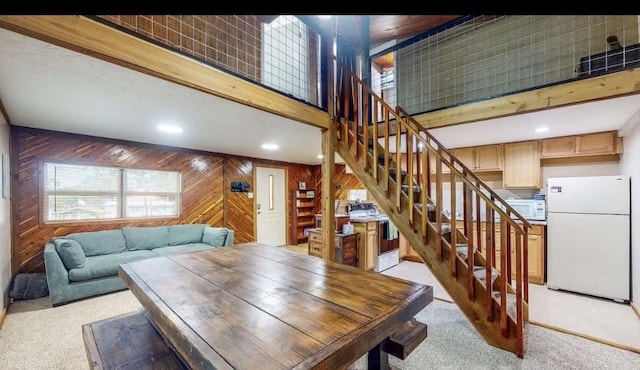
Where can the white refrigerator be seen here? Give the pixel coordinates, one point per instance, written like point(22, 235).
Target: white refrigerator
point(588, 235)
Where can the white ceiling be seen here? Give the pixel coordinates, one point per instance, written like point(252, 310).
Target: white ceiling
point(48, 87)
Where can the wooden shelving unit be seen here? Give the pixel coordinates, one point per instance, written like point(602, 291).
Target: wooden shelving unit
point(302, 214)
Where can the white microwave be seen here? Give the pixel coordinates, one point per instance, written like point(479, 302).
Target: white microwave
point(531, 209)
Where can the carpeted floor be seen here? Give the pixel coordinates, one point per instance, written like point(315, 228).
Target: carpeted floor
point(37, 336)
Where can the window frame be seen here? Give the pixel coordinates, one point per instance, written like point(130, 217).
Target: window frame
point(120, 195)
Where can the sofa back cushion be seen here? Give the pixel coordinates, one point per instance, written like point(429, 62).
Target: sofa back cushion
point(70, 252)
point(185, 234)
point(138, 238)
point(215, 236)
point(95, 243)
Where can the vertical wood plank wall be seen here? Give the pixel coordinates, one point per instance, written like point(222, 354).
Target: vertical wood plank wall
point(206, 180)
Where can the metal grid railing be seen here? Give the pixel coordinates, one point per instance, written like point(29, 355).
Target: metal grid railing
point(280, 52)
point(490, 56)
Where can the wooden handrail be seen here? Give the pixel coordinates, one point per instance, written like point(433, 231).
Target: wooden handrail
point(421, 146)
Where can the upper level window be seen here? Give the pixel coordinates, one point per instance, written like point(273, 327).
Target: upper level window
point(77, 192)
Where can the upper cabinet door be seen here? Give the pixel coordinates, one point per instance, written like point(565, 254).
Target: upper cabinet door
point(489, 157)
point(522, 165)
point(580, 145)
point(598, 143)
point(559, 147)
point(466, 155)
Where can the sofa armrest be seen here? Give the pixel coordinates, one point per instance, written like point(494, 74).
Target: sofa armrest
point(57, 274)
point(229, 240)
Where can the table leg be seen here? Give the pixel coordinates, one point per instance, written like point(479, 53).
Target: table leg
point(377, 358)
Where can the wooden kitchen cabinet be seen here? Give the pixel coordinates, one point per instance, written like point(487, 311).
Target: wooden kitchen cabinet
point(367, 243)
point(489, 157)
point(522, 165)
point(478, 158)
point(599, 143)
point(466, 156)
point(535, 252)
point(346, 247)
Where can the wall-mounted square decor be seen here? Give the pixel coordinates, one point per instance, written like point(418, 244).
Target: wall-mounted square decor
point(5, 176)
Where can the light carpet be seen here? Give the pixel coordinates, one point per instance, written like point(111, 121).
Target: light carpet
point(37, 336)
point(418, 272)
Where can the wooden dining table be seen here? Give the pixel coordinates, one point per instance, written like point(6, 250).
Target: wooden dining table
point(253, 306)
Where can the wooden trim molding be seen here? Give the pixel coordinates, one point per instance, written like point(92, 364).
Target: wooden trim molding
point(3, 316)
point(101, 41)
point(603, 341)
point(636, 309)
point(612, 85)
point(4, 112)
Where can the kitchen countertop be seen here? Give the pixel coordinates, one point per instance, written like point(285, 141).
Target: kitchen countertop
point(368, 218)
point(532, 222)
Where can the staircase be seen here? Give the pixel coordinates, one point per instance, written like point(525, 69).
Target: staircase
point(458, 251)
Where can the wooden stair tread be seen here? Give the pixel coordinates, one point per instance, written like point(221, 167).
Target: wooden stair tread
point(462, 249)
point(433, 252)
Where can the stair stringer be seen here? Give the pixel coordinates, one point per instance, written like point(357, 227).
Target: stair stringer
point(475, 310)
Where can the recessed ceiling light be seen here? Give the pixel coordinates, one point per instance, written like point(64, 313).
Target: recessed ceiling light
point(269, 146)
point(324, 16)
point(170, 128)
point(542, 129)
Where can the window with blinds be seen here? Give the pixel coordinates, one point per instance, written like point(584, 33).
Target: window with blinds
point(77, 192)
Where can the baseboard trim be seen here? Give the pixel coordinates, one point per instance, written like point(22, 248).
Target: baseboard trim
point(585, 336)
point(636, 309)
point(3, 315)
point(413, 259)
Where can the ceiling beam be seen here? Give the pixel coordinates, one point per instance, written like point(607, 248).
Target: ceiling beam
point(98, 40)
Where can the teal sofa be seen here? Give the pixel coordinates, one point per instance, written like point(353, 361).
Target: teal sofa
point(85, 264)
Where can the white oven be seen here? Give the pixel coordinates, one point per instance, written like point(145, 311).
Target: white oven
point(531, 209)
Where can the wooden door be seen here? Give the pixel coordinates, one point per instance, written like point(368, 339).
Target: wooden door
point(270, 203)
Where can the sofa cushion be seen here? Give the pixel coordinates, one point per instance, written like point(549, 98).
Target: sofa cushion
point(70, 252)
point(214, 235)
point(95, 243)
point(106, 265)
point(185, 234)
point(138, 238)
point(178, 249)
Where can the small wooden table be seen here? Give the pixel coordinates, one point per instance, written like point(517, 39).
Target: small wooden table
point(252, 306)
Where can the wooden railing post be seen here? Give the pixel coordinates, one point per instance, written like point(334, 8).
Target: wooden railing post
point(357, 120)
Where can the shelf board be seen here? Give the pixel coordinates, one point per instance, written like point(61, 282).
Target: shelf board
point(309, 223)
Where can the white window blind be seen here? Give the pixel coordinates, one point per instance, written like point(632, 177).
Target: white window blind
point(76, 192)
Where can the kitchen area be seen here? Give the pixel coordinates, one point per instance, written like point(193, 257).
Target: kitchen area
point(519, 172)
point(572, 192)
point(365, 237)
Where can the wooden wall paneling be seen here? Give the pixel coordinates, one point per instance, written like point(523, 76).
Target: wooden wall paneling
point(344, 182)
point(240, 215)
point(206, 186)
point(201, 174)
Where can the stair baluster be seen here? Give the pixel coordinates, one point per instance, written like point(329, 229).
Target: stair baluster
point(462, 268)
